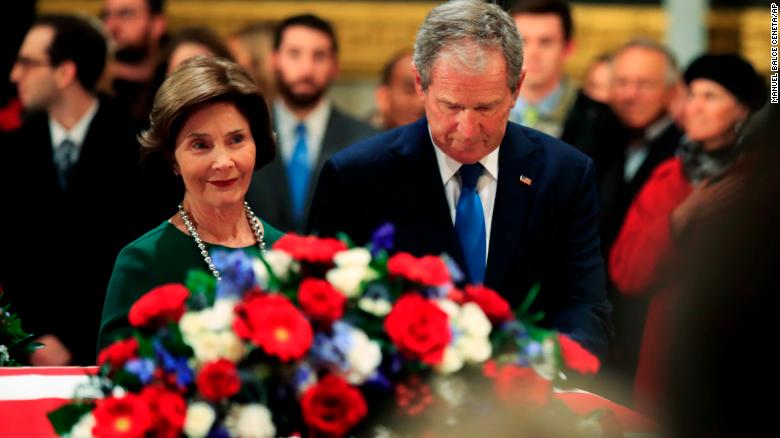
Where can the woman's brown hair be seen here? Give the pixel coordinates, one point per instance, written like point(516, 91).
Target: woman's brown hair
point(197, 82)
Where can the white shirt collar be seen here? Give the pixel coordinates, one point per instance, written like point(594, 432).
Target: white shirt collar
point(316, 123)
point(77, 133)
point(448, 166)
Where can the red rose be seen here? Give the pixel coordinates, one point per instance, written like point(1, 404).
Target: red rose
point(309, 248)
point(576, 357)
point(332, 407)
point(159, 306)
point(419, 328)
point(320, 300)
point(126, 417)
point(274, 324)
point(427, 270)
point(521, 385)
point(218, 379)
point(168, 411)
point(496, 308)
point(118, 353)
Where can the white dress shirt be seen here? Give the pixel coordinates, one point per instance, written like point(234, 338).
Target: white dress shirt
point(316, 123)
point(76, 134)
point(487, 185)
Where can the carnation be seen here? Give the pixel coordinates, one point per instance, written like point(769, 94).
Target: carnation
point(200, 417)
point(273, 323)
point(252, 421)
point(159, 306)
point(355, 257)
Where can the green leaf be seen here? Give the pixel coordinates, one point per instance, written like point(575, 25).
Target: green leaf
point(63, 419)
point(201, 283)
point(528, 301)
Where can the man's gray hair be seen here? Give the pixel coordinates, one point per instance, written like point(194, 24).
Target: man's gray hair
point(672, 75)
point(458, 28)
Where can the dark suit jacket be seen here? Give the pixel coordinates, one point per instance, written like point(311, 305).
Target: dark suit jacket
point(58, 246)
point(544, 232)
point(616, 193)
point(269, 193)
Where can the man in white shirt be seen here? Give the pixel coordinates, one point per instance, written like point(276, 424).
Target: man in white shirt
point(70, 175)
point(309, 128)
point(511, 205)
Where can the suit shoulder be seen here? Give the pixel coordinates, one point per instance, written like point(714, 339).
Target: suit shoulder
point(369, 150)
point(358, 128)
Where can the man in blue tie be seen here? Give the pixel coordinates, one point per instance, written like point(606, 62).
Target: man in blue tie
point(512, 205)
point(309, 127)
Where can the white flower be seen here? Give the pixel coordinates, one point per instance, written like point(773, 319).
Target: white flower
point(254, 421)
point(363, 359)
point(219, 317)
point(355, 257)
point(261, 273)
point(545, 364)
point(473, 349)
point(347, 280)
point(191, 323)
point(118, 392)
point(83, 428)
point(200, 417)
point(472, 320)
point(231, 346)
point(205, 345)
point(4, 356)
point(280, 262)
point(451, 362)
point(377, 307)
point(449, 307)
point(453, 389)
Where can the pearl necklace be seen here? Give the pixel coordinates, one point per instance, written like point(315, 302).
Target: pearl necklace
point(254, 222)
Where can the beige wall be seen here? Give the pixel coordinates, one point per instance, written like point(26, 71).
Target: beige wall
point(370, 32)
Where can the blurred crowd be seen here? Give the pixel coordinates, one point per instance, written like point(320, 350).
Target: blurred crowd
point(666, 140)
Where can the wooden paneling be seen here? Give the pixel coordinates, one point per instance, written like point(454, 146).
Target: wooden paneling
point(370, 32)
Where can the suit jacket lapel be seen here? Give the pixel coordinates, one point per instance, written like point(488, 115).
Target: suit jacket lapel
point(518, 158)
point(421, 177)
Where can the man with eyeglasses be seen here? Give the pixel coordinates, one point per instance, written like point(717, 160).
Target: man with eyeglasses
point(137, 29)
point(68, 187)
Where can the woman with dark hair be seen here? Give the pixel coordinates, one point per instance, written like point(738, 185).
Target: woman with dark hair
point(723, 91)
point(191, 42)
point(212, 127)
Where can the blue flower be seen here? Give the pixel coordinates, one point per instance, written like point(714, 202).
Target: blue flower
point(175, 365)
point(455, 272)
point(383, 239)
point(141, 368)
point(333, 349)
point(237, 273)
point(218, 431)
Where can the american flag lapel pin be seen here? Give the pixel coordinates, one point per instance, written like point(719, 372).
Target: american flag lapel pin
point(525, 180)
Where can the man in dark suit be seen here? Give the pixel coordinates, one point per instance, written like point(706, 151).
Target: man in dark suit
point(512, 205)
point(68, 184)
point(309, 128)
point(644, 84)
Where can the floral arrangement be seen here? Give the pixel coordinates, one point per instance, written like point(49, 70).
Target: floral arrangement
point(315, 338)
point(14, 341)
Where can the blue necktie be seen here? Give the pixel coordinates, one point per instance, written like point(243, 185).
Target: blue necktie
point(64, 157)
point(298, 172)
point(470, 223)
